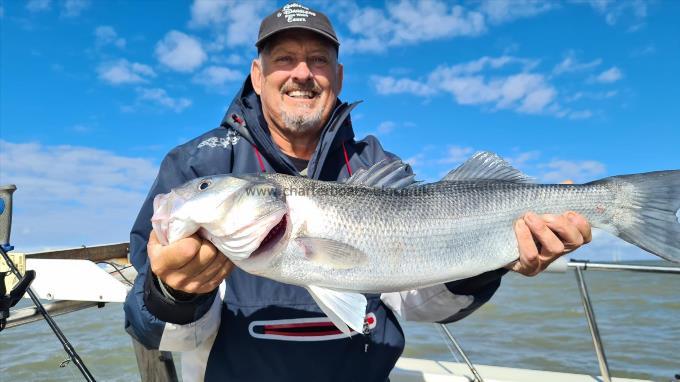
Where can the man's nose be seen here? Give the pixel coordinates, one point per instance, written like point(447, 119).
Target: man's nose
point(301, 72)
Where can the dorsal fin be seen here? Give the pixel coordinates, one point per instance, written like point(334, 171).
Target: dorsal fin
point(388, 173)
point(486, 165)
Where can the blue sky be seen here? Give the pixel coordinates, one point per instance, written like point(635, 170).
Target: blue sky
point(94, 93)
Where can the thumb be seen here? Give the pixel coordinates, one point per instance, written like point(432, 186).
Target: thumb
point(174, 255)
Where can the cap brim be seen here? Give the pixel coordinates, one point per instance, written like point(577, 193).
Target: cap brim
point(328, 36)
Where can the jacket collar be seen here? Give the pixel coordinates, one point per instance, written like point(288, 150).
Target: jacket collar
point(245, 116)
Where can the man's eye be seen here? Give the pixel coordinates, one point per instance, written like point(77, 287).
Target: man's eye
point(319, 60)
point(284, 59)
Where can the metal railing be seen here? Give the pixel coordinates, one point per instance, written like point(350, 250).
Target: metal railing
point(579, 267)
point(561, 266)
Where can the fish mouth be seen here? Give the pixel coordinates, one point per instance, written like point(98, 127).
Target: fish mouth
point(273, 236)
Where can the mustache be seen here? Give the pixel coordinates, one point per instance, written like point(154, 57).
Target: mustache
point(307, 86)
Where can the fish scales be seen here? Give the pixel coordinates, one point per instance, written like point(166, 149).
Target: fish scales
point(428, 234)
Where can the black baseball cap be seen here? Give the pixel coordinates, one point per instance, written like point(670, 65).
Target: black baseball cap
point(296, 16)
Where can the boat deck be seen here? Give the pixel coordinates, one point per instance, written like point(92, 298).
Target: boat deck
point(423, 370)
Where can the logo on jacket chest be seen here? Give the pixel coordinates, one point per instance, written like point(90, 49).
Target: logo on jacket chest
point(232, 138)
point(304, 329)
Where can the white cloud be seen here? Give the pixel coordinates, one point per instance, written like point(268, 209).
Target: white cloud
point(180, 52)
point(489, 82)
point(217, 76)
point(469, 84)
point(408, 22)
point(456, 155)
point(609, 76)
point(580, 114)
point(615, 10)
point(391, 85)
point(105, 35)
point(644, 50)
point(160, 97)
point(70, 195)
point(558, 171)
point(386, 127)
point(598, 96)
point(81, 128)
point(480, 64)
point(233, 23)
point(521, 159)
point(571, 64)
point(38, 5)
point(231, 59)
point(124, 72)
point(73, 8)
point(499, 11)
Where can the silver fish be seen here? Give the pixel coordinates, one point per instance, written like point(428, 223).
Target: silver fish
point(382, 232)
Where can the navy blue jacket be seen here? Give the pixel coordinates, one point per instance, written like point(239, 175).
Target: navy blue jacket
point(256, 329)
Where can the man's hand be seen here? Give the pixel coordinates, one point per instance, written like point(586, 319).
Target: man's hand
point(191, 265)
point(542, 239)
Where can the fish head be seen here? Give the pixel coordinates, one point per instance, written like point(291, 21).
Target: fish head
point(240, 215)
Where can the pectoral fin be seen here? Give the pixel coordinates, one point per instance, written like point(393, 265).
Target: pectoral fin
point(343, 308)
point(331, 253)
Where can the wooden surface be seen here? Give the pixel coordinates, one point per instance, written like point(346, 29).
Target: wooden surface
point(94, 253)
point(154, 365)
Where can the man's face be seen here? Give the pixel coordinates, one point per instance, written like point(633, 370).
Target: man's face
point(298, 79)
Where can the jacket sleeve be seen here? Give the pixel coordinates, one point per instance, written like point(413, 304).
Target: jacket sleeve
point(445, 303)
point(442, 303)
point(154, 318)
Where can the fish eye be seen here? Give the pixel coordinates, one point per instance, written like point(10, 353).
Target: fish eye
point(205, 183)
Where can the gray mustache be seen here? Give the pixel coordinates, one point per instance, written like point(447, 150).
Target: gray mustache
point(308, 86)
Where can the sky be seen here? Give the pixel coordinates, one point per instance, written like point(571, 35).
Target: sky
point(94, 93)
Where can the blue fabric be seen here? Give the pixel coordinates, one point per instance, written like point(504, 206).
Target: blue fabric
point(236, 355)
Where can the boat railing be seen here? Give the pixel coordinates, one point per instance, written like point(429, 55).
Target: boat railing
point(562, 265)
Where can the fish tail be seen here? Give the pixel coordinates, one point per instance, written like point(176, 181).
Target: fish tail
point(647, 212)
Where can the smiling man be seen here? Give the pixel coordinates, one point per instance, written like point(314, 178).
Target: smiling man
point(298, 78)
point(231, 325)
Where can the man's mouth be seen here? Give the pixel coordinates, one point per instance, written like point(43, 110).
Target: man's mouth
point(301, 94)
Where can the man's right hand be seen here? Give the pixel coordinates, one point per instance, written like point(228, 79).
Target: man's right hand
point(191, 265)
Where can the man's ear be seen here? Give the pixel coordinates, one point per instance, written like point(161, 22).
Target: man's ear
point(256, 76)
point(340, 76)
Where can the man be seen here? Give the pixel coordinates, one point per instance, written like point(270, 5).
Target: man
point(238, 327)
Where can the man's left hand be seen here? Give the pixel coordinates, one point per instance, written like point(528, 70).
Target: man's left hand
point(541, 239)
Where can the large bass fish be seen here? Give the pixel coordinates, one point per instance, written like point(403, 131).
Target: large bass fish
point(382, 232)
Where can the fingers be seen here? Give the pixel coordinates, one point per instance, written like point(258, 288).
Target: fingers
point(581, 224)
point(211, 278)
point(566, 231)
point(543, 239)
point(550, 243)
point(529, 262)
point(191, 265)
point(165, 258)
point(206, 257)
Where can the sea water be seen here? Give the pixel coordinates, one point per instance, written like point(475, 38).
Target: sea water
point(534, 323)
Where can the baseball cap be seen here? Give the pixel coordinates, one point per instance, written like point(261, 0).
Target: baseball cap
point(292, 16)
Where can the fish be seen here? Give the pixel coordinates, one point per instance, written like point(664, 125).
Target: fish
point(382, 231)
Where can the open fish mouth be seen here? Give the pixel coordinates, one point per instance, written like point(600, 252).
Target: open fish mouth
point(275, 234)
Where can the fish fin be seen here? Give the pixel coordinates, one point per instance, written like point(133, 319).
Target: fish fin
point(486, 165)
point(343, 308)
point(388, 173)
point(331, 253)
point(647, 211)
